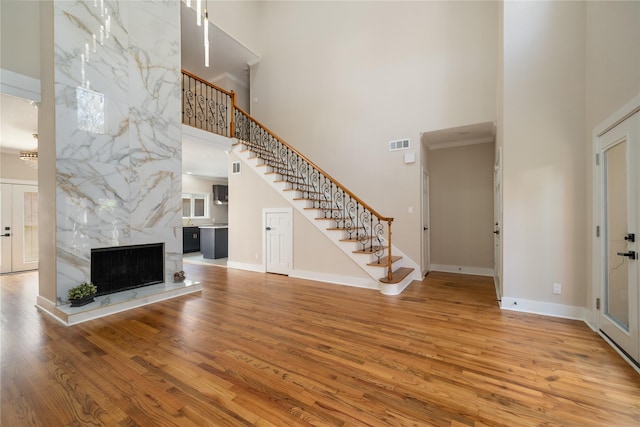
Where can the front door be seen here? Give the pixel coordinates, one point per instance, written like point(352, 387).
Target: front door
point(278, 241)
point(19, 227)
point(620, 194)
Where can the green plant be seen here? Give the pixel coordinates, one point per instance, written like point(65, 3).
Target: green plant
point(82, 290)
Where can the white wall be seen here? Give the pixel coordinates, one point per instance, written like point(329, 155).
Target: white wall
point(544, 151)
point(11, 167)
point(461, 202)
point(239, 19)
point(338, 80)
point(228, 82)
point(20, 37)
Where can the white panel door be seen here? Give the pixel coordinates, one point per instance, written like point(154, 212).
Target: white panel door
point(619, 151)
point(5, 228)
point(278, 242)
point(19, 227)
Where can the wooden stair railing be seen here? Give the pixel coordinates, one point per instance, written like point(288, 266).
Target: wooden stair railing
point(337, 203)
point(211, 108)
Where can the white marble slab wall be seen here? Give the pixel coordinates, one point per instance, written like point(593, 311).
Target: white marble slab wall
point(118, 131)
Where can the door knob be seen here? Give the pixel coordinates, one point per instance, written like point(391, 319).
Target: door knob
point(6, 235)
point(496, 232)
point(425, 228)
point(268, 228)
point(630, 254)
point(630, 237)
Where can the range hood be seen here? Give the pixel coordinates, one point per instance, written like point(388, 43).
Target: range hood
point(221, 194)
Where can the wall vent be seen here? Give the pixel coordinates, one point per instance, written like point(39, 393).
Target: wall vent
point(400, 144)
point(235, 168)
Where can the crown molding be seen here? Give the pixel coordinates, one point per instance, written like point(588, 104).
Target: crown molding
point(462, 143)
point(19, 85)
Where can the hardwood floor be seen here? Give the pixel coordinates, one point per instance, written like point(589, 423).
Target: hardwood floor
point(264, 350)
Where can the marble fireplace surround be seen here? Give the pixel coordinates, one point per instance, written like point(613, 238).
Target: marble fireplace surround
point(110, 173)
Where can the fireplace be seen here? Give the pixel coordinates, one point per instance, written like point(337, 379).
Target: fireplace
point(120, 268)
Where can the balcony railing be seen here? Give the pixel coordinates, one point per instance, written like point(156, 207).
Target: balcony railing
point(206, 106)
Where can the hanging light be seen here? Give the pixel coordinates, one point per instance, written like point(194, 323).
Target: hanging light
point(31, 157)
point(206, 38)
point(199, 12)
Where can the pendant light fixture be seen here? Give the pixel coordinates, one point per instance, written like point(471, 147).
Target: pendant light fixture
point(199, 19)
point(206, 37)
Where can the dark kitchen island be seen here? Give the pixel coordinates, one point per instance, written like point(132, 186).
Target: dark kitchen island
point(214, 241)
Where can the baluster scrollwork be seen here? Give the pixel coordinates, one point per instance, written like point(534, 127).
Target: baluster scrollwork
point(205, 106)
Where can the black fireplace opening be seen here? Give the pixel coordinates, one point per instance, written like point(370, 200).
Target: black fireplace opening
point(120, 268)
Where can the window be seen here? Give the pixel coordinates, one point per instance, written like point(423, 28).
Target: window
point(195, 205)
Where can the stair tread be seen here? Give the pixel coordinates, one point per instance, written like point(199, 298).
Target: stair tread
point(310, 200)
point(342, 218)
point(302, 190)
point(291, 182)
point(355, 239)
point(304, 186)
point(397, 276)
point(383, 262)
point(370, 250)
point(344, 229)
point(267, 159)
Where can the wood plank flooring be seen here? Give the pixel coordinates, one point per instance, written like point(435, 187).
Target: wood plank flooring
point(267, 350)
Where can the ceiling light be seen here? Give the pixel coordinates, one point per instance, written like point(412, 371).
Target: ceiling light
point(31, 157)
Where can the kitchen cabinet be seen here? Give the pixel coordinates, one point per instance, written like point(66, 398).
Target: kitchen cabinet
point(214, 242)
point(190, 239)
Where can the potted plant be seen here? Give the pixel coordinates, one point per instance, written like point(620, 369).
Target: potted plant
point(82, 294)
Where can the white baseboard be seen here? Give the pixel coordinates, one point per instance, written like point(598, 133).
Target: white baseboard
point(358, 282)
point(396, 288)
point(461, 269)
point(258, 268)
point(544, 308)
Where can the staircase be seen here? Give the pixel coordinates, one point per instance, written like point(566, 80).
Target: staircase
point(358, 230)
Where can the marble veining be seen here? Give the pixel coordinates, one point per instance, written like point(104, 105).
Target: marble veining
point(118, 131)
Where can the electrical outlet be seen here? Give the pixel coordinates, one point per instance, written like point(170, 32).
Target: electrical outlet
point(557, 288)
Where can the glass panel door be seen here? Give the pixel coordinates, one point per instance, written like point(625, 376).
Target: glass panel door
point(616, 304)
point(620, 195)
point(24, 218)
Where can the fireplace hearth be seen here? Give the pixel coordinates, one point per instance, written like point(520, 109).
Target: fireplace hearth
point(121, 268)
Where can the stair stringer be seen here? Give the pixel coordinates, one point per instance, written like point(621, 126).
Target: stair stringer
point(335, 236)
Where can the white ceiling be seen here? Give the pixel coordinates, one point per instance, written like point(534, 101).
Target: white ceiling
point(19, 119)
point(18, 123)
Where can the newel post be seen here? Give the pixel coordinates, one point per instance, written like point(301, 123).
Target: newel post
point(389, 260)
point(233, 115)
